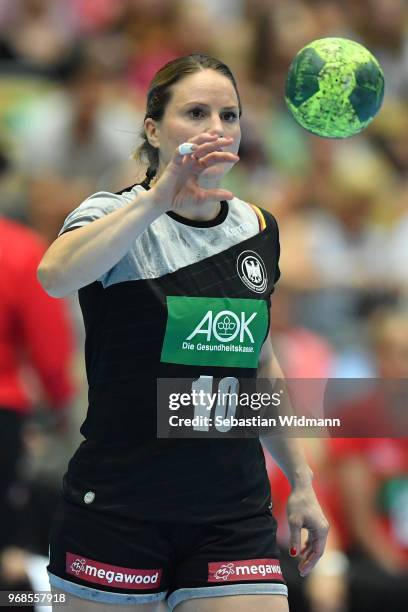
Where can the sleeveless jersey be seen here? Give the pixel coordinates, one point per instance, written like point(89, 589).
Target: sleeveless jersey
point(190, 300)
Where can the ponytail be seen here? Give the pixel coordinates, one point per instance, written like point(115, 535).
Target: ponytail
point(150, 173)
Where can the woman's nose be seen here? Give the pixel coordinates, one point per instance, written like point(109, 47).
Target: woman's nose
point(216, 126)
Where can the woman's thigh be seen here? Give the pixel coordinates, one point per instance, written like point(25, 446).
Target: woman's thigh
point(236, 603)
point(94, 556)
point(76, 604)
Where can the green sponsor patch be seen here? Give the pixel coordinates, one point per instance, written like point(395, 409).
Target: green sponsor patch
point(214, 331)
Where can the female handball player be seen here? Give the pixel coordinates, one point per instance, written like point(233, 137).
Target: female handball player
point(174, 278)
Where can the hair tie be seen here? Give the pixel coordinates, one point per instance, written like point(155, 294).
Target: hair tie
point(150, 173)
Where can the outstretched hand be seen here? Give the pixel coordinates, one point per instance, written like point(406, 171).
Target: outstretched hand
point(193, 179)
point(303, 511)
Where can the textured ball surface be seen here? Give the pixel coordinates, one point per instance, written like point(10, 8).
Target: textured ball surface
point(334, 87)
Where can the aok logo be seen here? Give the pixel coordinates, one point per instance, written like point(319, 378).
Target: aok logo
point(252, 271)
point(224, 326)
point(219, 331)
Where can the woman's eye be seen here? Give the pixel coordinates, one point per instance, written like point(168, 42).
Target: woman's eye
point(199, 113)
point(196, 113)
point(230, 116)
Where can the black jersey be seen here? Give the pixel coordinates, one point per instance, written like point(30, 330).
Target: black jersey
point(189, 300)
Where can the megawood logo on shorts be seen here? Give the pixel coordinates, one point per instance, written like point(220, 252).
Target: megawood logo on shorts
point(214, 331)
point(250, 569)
point(112, 575)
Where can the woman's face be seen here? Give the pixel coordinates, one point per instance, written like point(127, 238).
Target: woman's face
point(202, 102)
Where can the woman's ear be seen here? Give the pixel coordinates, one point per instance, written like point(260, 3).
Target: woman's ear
point(152, 132)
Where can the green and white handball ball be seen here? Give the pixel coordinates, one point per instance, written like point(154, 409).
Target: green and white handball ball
point(334, 88)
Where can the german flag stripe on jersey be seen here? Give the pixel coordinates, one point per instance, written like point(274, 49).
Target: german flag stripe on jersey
point(261, 218)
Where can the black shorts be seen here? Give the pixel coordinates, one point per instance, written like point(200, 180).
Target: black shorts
point(114, 560)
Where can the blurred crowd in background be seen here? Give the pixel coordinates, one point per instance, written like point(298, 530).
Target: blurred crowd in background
point(73, 83)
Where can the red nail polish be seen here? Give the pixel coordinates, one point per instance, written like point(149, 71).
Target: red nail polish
point(293, 552)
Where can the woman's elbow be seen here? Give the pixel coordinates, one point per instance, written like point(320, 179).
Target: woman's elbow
point(50, 281)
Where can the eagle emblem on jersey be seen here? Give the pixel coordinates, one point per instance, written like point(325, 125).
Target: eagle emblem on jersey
point(252, 271)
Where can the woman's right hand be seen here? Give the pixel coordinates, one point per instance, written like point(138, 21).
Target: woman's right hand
point(182, 183)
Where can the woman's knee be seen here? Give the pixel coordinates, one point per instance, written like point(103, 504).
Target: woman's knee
point(236, 603)
point(78, 604)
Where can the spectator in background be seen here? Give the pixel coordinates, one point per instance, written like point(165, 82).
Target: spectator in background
point(368, 498)
point(97, 15)
point(363, 485)
point(35, 35)
point(381, 26)
point(325, 589)
point(76, 141)
point(389, 137)
point(302, 352)
point(333, 253)
point(149, 26)
point(36, 348)
point(371, 512)
point(398, 250)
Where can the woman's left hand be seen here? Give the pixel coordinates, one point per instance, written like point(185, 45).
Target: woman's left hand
point(303, 511)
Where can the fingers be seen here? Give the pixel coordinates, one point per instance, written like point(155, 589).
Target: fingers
point(217, 157)
point(191, 146)
point(308, 560)
point(200, 147)
point(202, 144)
point(204, 137)
point(204, 195)
point(200, 194)
point(295, 534)
point(312, 550)
point(214, 145)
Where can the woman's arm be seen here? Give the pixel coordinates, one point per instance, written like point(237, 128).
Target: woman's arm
point(303, 509)
point(78, 258)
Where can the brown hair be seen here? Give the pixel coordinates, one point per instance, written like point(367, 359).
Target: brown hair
point(159, 94)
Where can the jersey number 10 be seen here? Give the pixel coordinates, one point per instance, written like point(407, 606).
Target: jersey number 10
point(225, 405)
